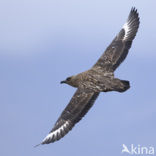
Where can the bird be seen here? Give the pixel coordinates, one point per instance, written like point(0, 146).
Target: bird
point(99, 78)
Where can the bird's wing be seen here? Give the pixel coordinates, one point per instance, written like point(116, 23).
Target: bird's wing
point(118, 49)
point(79, 105)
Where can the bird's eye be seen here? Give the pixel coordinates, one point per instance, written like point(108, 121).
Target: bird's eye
point(69, 78)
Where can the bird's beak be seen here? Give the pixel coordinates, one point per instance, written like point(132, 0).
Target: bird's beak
point(63, 82)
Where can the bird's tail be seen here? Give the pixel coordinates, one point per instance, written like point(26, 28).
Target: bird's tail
point(125, 85)
point(120, 85)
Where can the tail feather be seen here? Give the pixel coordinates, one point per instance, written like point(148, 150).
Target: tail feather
point(124, 85)
point(120, 85)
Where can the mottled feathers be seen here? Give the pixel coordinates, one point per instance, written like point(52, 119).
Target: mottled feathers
point(79, 105)
point(99, 78)
point(118, 49)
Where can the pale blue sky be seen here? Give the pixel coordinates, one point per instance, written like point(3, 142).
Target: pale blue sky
point(42, 43)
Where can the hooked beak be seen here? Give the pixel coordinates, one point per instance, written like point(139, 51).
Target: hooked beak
point(63, 82)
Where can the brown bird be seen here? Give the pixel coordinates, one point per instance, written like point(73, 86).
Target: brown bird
point(100, 78)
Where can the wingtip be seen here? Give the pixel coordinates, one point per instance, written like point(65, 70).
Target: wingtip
point(134, 11)
point(37, 145)
point(132, 25)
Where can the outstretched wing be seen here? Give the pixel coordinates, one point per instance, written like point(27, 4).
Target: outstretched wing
point(118, 49)
point(79, 105)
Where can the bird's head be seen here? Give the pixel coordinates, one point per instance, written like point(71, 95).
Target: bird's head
point(70, 81)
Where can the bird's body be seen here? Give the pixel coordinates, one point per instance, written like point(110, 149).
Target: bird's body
point(100, 78)
point(95, 80)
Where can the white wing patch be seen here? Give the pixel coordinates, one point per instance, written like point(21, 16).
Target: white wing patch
point(127, 29)
point(57, 131)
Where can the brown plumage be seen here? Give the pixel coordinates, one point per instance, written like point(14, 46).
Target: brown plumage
point(100, 78)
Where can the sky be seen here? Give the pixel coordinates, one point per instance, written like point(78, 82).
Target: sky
point(42, 43)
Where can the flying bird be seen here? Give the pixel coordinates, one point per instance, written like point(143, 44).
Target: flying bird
point(100, 78)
